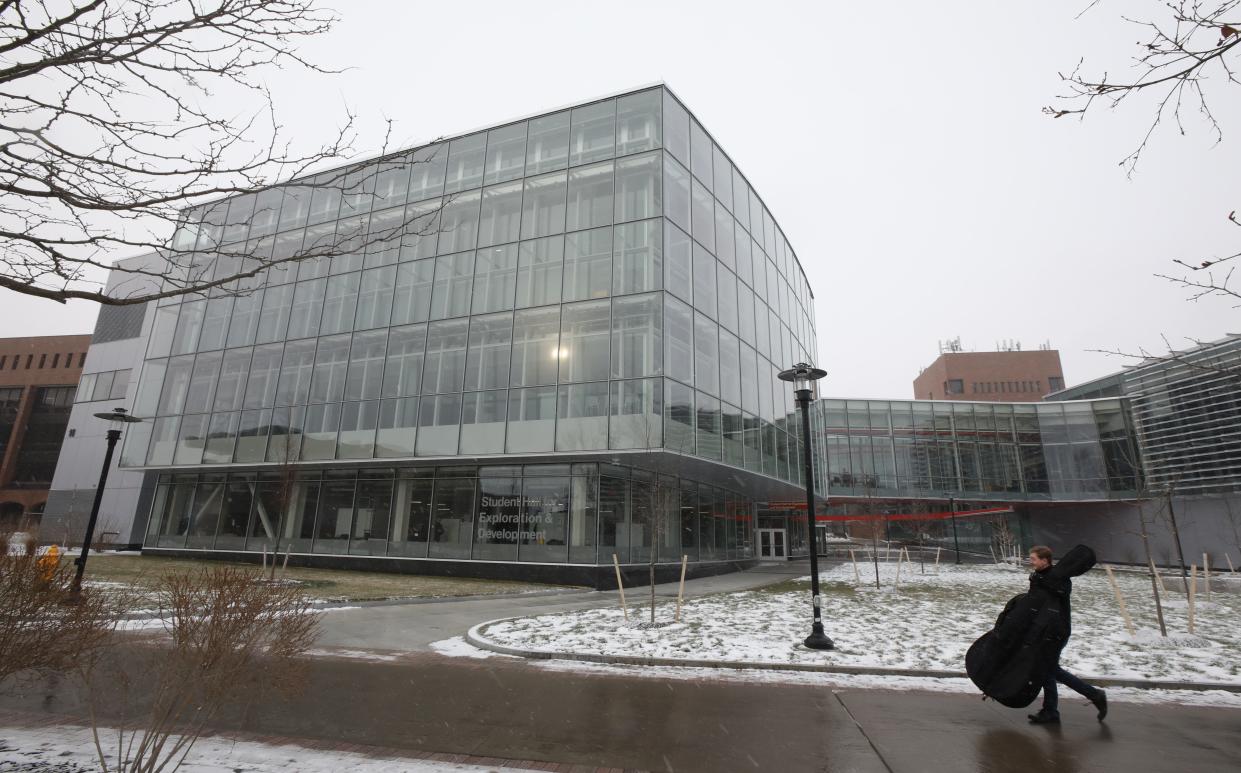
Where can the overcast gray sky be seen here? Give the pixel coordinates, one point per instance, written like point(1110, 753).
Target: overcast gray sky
point(903, 153)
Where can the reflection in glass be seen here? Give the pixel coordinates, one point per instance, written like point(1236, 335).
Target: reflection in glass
point(584, 333)
point(637, 258)
point(590, 194)
point(582, 417)
point(540, 267)
point(398, 425)
point(638, 122)
point(531, 419)
point(506, 153)
point(482, 422)
point(495, 279)
point(588, 264)
point(536, 351)
point(593, 133)
point(548, 146)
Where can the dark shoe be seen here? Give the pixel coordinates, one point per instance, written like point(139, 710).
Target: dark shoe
point(1100, 702)
point(1045, 717)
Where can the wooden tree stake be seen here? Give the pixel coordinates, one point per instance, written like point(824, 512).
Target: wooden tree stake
point(681, 590)
point(1120, 601)
point(1193, 590)
point(1206, 573)
point(857, 576)
point(620, 586)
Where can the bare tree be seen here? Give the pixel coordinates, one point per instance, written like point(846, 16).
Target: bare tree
point(231, 637)
point(38, 630)
point(122, 121)
point(1189, 54)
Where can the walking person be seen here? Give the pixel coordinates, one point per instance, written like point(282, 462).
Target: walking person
point(1050, 589)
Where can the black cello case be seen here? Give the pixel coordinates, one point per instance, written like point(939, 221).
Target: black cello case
point(1009, 662)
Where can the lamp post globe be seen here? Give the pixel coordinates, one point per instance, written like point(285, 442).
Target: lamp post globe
point(117, 418)
point(802, 377)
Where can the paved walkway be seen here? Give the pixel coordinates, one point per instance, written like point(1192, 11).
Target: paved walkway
point(412, 626)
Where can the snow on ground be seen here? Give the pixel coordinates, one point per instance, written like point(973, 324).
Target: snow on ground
point(458, 647)
point(68, 749)
point(927, 622)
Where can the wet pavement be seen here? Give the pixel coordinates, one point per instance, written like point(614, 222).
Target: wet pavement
point(511, 709)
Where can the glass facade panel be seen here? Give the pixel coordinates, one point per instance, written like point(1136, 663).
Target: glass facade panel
point(637, 258)
point(582, 417)
point(543, 205)
point(446, 350)
point(483, 421)
point(591, 190)
point(451, 293)
point(706, 355)
point(531, 420)
point(487, 359)
point(452, 518)
point(584, 334)
point(495, 279)
point(466, 159)
point(398, 426)
point(500, 221)
point(638, 122)
point(588, 264)
point(548, 147)
point(705, 287)
point(506, 153)
point(592, 133)
point(540, 268)
point(439, 423)
point(639, 194)
point(637, 336)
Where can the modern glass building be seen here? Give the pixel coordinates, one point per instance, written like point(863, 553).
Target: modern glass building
point(1073, 451)
point(555, 341)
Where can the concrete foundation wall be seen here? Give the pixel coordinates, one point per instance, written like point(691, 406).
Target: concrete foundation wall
point(1208, 524)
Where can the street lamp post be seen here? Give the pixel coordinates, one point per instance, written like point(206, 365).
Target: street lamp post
point(802, 377)
point(118, 416)
point(956, 543)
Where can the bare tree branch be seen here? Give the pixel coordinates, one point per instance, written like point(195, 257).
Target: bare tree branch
point(113, 143)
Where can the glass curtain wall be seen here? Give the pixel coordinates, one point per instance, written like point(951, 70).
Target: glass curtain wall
point(545, 513)
point(600, 278)
point(1065, 450)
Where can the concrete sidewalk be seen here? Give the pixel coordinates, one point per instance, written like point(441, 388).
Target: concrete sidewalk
point(505, 709)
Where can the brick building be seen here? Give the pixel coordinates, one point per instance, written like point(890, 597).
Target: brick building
point(38, 380)
point(1008, 376)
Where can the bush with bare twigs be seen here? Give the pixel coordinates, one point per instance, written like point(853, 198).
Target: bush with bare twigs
point(230, 636)
point(38, 629)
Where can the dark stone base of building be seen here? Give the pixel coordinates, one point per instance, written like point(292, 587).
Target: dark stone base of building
point(597, 577)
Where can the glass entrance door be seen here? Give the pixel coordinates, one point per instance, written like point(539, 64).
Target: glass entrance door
point(771, 543)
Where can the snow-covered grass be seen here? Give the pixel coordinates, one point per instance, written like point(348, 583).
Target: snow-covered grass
point(68, 749)
point(927, 622)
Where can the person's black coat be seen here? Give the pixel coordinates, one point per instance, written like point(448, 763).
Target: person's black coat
point(1009, 662)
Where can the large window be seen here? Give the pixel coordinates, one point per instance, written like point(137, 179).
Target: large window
point(584, 332)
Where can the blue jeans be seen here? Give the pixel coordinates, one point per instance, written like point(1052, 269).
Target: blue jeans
point(1051, 701)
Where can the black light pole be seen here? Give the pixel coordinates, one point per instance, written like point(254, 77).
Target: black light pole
point(118, 416)
point(952, 508)
point(802, 376)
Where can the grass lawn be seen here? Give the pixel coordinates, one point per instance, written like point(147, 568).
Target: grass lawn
point(330, 584)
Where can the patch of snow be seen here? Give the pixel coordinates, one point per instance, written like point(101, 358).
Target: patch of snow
point(353, 655)
point(927, 622)
point(71, 749)
point(458, 647)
